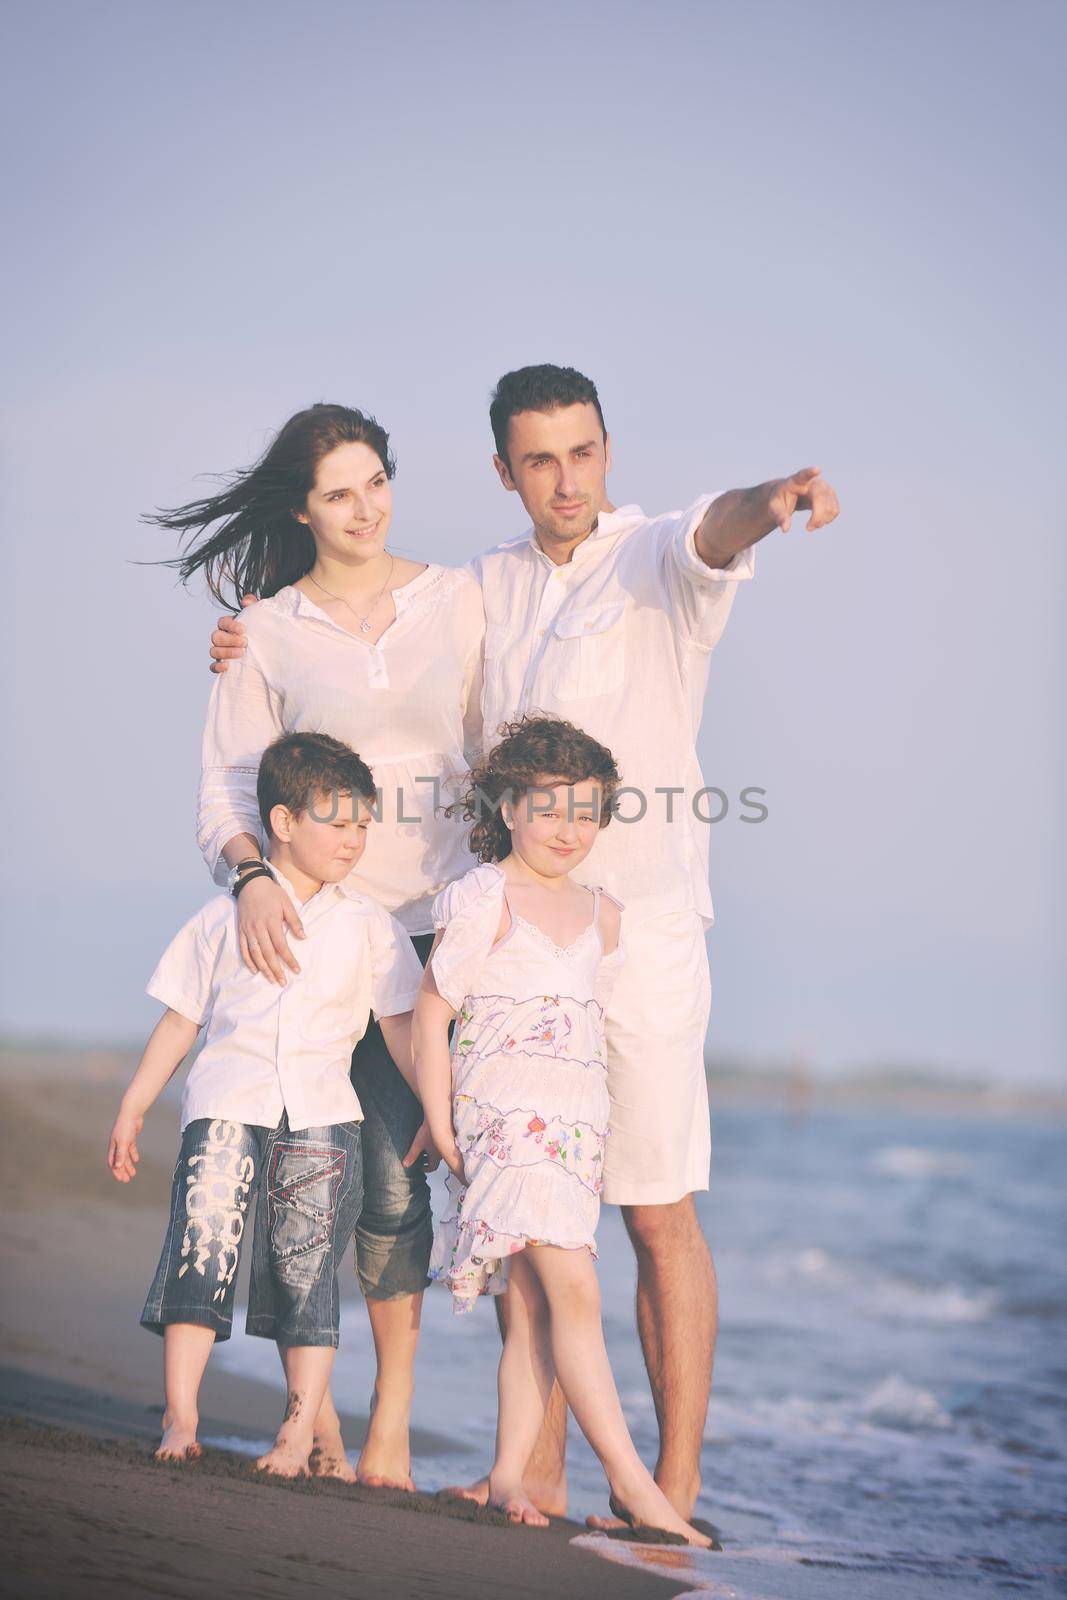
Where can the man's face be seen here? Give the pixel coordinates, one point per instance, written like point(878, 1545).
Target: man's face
point(558, 462)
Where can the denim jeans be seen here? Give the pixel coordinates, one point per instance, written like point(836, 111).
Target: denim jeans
point(306, 1189)
point(395, 1229)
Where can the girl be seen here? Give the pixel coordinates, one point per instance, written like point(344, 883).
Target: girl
point(524, 958)
point(353, 640)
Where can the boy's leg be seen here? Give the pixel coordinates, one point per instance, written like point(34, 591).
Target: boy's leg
point(569, 1281)
point(191, 1299)
point(524, 1383)
point(310, 1198)
point(393, 1241)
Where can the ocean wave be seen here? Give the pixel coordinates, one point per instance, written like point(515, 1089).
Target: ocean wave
point(919, 1161)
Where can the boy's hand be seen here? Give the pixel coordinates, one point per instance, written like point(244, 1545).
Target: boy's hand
point(122, 1152)
point(423, 1145)
point(228, 640)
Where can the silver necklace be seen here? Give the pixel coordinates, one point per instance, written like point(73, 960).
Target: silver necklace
point(364, 622)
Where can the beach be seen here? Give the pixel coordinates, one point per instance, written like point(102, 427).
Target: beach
point(887, 1420)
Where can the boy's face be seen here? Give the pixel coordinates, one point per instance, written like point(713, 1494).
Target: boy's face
point(555, 825)
point(557, 463)
point(327, 839)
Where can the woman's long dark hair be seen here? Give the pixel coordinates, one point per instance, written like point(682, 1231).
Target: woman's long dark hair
point(260, 546)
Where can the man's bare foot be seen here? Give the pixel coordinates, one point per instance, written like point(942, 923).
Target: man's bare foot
point(288, 1458)
point(516, 1506)
point(179, 1440)
point(550, 1498)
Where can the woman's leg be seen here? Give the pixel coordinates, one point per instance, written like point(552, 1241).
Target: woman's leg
point(524, 1383)
point(569, 1281)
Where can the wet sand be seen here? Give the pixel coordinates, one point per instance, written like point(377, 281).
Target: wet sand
point(86, 1510)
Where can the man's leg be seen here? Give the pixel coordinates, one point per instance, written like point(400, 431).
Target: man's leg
point(677, 1318)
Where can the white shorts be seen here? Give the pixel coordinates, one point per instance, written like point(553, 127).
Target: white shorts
point(656, 1024)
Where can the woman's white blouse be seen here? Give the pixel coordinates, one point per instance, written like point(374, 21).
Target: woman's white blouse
point(410, 706)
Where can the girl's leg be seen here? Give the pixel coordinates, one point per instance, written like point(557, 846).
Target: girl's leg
point(569, 1281)
point(307, 1374)
point(524, 1384)
point(186, 1348)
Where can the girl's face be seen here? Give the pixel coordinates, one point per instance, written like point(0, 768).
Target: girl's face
point(554, 825)
point(350, 505)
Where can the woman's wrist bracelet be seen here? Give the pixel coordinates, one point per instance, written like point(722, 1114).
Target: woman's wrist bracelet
point(259, 871)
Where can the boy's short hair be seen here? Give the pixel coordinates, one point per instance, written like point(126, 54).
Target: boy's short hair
point(299, 767)
point(543, 388)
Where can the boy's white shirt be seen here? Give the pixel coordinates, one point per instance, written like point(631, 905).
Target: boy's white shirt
point(268, 1049)
point(618, 641)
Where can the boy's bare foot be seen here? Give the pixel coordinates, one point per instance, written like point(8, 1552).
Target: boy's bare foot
point(516, 1506)
point(179, 1440)
point(385, 1460)
point(288, 1458)
point(328, 1460)
point(551, 1498)
point(644, 1505)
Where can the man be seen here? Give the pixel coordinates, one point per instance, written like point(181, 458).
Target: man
point(608, 618)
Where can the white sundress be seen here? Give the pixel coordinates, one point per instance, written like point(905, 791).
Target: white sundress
point(529, 1086)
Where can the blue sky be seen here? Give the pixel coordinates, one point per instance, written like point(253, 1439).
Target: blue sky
point(775, 234)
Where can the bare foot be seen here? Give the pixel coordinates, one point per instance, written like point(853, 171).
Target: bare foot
point(517, 1507)
point(644, 1505)
point(288, 1458)
point(551, 1498)
point(179, 1440)
point(385, 1460)
point(328, 1460)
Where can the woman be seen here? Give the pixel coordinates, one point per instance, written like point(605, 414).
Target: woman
point(352, 640)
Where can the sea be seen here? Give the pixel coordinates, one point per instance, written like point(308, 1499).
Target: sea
point(889, 1412)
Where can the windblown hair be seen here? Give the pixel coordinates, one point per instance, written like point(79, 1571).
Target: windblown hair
point(260, 547)
point(544, 388)
point(300, 768)
point(534, 753)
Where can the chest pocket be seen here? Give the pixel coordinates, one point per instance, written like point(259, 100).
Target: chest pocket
point(587, 647)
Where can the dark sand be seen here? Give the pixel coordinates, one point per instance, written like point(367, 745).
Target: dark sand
point(87, 1512)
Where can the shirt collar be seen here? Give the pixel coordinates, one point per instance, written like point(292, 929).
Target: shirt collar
point(328, 891)
point(607, 525)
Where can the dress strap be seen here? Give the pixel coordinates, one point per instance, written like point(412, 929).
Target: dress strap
point(596, 893)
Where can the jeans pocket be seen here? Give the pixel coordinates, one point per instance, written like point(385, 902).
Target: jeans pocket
point(305, 1180)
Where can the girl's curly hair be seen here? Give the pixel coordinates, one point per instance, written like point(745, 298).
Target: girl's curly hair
point(531, 750)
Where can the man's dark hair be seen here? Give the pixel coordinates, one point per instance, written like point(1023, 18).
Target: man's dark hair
point(299, 767)
point(544, 388)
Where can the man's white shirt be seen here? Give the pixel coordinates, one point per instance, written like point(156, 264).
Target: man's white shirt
point(268, 1049)
point(618, 641)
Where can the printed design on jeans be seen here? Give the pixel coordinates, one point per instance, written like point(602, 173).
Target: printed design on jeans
point(303, 1182)
point(526, 1138)
point(216, 1200)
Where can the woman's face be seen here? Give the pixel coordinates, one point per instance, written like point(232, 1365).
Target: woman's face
point(350, 505)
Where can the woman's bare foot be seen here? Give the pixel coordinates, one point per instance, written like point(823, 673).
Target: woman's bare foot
point(287, 1458)
point(179, 1440)
point(385, 1460)
point(516, 1505)
point(550, 1498)
point(644, 1505)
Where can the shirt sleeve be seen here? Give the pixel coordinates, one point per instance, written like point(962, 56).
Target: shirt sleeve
point(243, 718)
point(474, 637)
point(396, 971)
point(698, 597)
point(184, 978)
point(468, 912)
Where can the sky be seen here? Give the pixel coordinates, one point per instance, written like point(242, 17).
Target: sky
point(775, 234)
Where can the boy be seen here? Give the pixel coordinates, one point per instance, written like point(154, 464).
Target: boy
point(268, 1110)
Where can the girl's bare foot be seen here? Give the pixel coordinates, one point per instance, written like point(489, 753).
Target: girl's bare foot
point(551, 1498)
point(644, 1505)
point(516, 1505)
point(179, 1440)
point(288, 1458)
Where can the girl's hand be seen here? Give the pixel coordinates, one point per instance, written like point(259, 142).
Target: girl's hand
point(122, 1152)
point(454, 1161)
point(264, 911)
point(423, 1145)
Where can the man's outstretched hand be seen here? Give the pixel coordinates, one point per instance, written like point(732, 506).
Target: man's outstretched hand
point(806, 490)
point(228, 640)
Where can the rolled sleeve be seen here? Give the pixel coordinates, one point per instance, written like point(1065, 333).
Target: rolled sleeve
point(243, 718)
point(396, 971)
point(183, 979)
point(700, 597)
